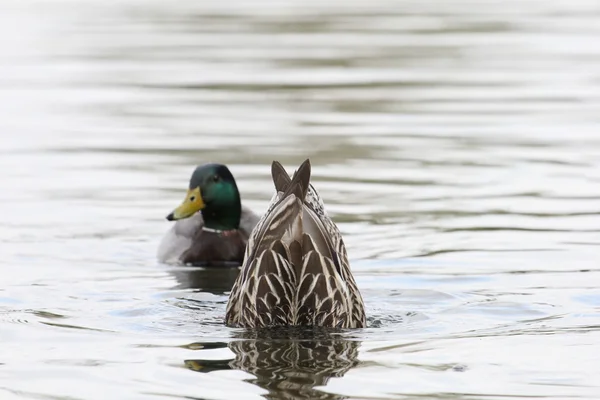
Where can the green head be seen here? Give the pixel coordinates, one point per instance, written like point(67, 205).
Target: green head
point(213, 192)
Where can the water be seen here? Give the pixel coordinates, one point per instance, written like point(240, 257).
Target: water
point(455, 143)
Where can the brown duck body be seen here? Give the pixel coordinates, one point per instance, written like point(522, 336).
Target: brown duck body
point(296, 270)
point(188, 243)
point(216, 247)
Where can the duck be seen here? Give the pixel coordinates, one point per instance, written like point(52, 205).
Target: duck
point(212, 226)
point(295, 270)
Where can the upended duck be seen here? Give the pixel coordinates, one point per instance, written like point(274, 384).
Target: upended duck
point(295, 269)
point(212, 227)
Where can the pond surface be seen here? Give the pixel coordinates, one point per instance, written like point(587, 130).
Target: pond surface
point(455, 143)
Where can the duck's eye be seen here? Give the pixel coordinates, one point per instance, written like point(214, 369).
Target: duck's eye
point(216, 178)
point(192, 198)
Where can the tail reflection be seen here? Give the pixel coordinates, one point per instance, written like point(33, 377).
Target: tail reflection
point(288, 363)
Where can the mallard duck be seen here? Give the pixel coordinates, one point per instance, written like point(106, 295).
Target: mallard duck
point(212, 226)
point(295, 269)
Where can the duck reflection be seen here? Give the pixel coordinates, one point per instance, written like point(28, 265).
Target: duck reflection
point(215, 280)
point(288, 362)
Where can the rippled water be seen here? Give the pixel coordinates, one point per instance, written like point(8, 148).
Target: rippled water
point(456, 144)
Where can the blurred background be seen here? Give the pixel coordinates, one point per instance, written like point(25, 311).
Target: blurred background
point(456, 144)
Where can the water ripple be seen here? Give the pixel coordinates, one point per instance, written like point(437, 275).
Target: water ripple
point(455, 144)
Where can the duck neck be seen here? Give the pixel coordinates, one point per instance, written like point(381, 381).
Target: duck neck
point(226, 217)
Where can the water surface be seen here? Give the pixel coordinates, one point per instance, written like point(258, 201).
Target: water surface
point(455, 143)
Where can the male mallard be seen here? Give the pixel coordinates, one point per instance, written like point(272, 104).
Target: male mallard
point(216, 235)
point(295, 269)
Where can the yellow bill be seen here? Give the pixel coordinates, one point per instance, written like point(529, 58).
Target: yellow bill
point(191, 205)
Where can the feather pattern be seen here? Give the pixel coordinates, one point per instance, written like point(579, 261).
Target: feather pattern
point(295, 269)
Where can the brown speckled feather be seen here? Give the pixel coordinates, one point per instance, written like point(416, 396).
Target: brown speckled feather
point(296, 269)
